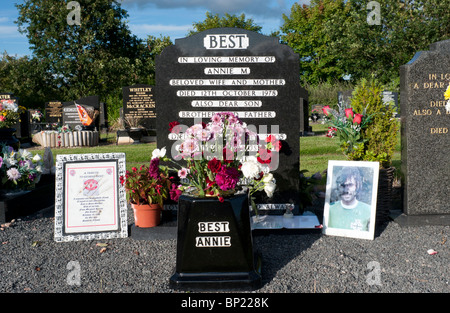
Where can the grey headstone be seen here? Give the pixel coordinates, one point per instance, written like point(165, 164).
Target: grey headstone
point(425, 131)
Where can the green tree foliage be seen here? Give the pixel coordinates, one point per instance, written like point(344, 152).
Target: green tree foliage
point(334, 38)
point(215, 21)
point(99, 56)
point(381, 135)
point(304, 30)
point(24, 78)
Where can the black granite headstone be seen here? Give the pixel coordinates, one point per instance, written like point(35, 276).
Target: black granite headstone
point(425, 131)
point(139, 103)
point(53, 111)
point(70, 114)
point(239, 71)
point(304, 112)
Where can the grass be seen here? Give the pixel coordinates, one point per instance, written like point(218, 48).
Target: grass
point(315, 151)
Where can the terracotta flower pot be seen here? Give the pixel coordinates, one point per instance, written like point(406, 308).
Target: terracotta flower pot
point(146, 215)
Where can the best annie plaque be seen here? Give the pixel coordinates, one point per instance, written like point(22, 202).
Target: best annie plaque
point(90, 203)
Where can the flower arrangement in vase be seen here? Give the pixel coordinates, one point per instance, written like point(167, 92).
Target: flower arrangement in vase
point(214, 160)
point(19, 170)
point(146, 189)
point(348, 126)
point(9, 113)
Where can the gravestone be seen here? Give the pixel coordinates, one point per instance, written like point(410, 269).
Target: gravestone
point(425, 132)
point(388, 98)
point(391, 98)
point(70, 113)
point(304, 113)
point(53, 111)
point(139, 103)
point(239, 71)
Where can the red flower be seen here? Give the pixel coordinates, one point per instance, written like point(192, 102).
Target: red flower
point(214, 165)
point(276, 144)
point(348, 113)
point(357, 119)
point(228, 155)
point(172, 125)
point(325, 109)
point(264, 156)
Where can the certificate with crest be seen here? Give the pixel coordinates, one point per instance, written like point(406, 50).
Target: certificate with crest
point(90, 201)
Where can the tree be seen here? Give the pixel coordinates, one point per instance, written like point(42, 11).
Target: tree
point(304, 30)
point(335, 39)
point(95, 57)
point(214, 21)
point(24, 78)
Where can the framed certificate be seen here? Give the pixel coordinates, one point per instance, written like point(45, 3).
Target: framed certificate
point(90, 202)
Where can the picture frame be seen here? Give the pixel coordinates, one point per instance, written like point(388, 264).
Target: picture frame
point(90, 202)
point(351, 199)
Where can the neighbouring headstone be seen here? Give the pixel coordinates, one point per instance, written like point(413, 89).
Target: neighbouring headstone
point(53, 112)
point(239, 71)
point(425, 131)
point(391, 98)
point(388, 98)
point(304, 113)
point(70, 115)
point(139, 105)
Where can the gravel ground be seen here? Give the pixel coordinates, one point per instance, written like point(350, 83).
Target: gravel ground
point(396, 261)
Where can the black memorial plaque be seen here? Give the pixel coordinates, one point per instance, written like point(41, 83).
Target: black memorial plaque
point(139, 103)
point(70, 113)
point(239, 71)
point(53, 111)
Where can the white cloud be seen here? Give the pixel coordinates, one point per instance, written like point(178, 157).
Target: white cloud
point(143, 30)
point(249, 7)
point(9, 31)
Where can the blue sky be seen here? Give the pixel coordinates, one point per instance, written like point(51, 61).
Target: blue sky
point(173, 18)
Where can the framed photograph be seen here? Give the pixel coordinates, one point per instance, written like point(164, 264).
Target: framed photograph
point(90, 202)
point(351, 199)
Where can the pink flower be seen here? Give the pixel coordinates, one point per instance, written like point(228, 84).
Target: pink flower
point(174, 192)
point(348, 113)
point(2, 118)
point(13, 174)
point(227, 178)
point(216, 119)
point(357, 119)
point(183, 172)
point(325, 110)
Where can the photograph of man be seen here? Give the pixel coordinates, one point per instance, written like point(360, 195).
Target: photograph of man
point(348, 212)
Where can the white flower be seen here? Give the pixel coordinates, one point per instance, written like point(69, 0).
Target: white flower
point(37, 158)
point(157, 153)
point(251, 168)
point(447, 106)
point(13, 174)
point(25, 154)
point(268, 178)
point(269, 188)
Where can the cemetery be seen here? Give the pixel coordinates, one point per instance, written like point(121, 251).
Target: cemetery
point(221, 177)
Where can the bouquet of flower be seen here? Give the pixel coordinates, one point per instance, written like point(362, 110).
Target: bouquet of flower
point(348, 126)
point(215, 164)
point(19, 169)
point(37, 116)
point(148, 184)
point(9, 113)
